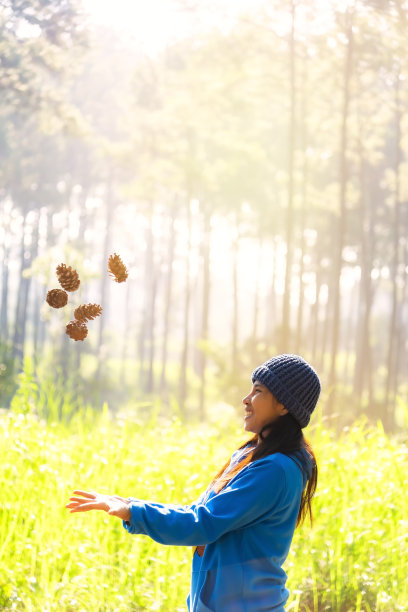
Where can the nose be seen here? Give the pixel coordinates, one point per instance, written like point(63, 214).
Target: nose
point(246, 399)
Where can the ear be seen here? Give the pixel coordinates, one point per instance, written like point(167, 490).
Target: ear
point(281, 409)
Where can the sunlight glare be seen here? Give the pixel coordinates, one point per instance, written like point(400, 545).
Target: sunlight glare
point(152, 24)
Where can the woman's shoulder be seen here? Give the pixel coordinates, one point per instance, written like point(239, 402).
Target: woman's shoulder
point(276, 470)
point(290, 465)
point(297, 463)
point(277, 459)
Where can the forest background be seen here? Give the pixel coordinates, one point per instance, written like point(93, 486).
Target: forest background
point(250, 168)
point(258, 164)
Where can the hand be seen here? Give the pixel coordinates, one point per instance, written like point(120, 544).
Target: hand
point(112, 504)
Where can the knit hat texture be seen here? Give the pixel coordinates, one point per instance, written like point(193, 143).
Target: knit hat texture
point(293, 382)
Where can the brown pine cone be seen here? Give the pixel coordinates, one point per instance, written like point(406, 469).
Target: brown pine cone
point(77, 330)
point(87, 312)
point(68, 278)
point(117, 268)
point(57, 298)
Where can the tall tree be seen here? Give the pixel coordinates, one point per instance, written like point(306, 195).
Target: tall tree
point(285, 340)
point(109, 202)
point(168, 295)
point(205, 309)
point(342, 210)
point(392, 354)
point(182, 395)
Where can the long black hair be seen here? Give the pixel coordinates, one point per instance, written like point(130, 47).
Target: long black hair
point(284, 435)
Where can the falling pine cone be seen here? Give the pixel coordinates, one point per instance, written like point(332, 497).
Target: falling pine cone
point(68, 278)
point(77, 330)
point(117, 268)
point(57, 298)
point(87, 312)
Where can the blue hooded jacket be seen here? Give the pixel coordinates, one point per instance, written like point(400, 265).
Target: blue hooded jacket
point(247, 529)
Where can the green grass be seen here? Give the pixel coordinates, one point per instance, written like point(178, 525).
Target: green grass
point(354, 558)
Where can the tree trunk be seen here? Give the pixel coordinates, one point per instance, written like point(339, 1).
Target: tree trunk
point(402, 335)
point(363, 366)
point(235, 308)
point(145, 322)
point(315, 310)
point(23, 290)
point(304, 111)
point(352, 322)
point(42, 333)
point(17, 349)
point(65, 346)
point(104, 293)
point(168, 296)
point(151, 319)
point(125, 339)
point(392, 353)
point(83, 224)
point(205, 309)
point(271, 310)
point(39, 294)
point(327, 324)
point(285, 339)
point(4, 290)
point(341, 225)
point(36, 321)
point(186, 327)
point(255, 320)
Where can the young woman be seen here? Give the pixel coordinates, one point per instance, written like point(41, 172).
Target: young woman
point(242, 525)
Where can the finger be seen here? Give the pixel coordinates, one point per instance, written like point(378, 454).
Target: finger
point(74, 504)
point(81, 499)
point(85, 507)
point(86, 494)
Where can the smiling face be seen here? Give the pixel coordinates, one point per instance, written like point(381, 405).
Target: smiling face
point(261, 408)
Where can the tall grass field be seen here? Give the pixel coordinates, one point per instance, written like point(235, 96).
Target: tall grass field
point(355, 557)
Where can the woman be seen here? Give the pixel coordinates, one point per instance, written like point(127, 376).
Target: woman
point(242, 526)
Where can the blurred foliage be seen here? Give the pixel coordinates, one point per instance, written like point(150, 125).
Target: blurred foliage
point(35, 39)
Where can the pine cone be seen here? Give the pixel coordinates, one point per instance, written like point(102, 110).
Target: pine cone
point(117, 269)
point(77, 330)
point(68, 278)
point(87, 312)
point(57, 298)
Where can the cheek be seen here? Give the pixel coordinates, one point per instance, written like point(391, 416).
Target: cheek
point(261, 411)
point(264, 414)
point(258, 418)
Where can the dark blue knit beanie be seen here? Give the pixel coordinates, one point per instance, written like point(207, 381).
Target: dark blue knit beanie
point(293, 382)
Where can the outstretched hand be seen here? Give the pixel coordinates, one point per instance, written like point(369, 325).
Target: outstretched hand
point(83, 501)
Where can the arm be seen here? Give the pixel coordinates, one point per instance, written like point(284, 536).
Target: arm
point(83, 501)
point(252, 493)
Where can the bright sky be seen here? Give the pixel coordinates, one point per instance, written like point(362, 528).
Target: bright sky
point(153, 23)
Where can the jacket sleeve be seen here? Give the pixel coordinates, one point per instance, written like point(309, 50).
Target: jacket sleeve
point(255, 491)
